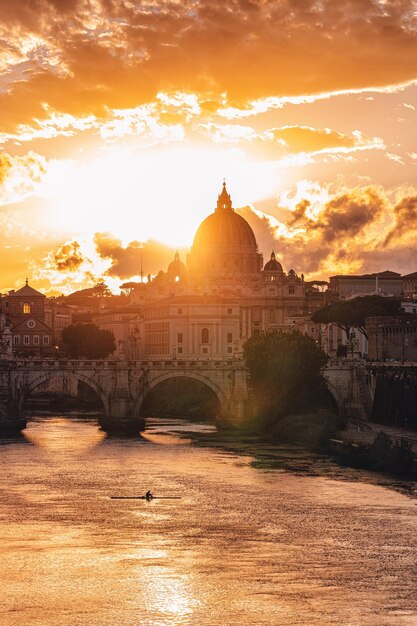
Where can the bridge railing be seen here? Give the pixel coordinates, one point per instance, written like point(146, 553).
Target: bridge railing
point(39, 363)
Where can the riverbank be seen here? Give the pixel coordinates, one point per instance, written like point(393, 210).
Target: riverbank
point(294, 456)
point(369, 448)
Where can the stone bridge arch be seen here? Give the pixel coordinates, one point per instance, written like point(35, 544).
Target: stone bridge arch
point(333, 392)
point(32, 383)
point(153, 380)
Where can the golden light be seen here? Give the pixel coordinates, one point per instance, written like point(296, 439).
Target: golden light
point(162, 194)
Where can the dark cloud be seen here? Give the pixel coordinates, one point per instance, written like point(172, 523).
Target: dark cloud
point(68, 257)
point(151, 256)
point(345, 216)
point(354, 232)
point(405, 213)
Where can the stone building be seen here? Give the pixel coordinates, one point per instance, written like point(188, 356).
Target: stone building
point(223, 294)
point(410, 286)
point(386, 283)
point(392, 338)
point(57, 316)
point(24, 314)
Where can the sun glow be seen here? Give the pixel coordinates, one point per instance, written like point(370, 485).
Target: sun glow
point(162, 194)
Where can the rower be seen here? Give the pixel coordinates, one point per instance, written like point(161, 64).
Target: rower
point(148, 495)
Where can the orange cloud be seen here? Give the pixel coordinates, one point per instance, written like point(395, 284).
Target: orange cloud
point(127, 261)
point(20, 177)
point(323, 233)
point(81, 57)
point(277, 143)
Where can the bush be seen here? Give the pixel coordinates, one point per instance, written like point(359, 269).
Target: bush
point(311, 430)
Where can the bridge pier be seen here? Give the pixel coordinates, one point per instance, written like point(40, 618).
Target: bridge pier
point(11, 418)
point(120, 417)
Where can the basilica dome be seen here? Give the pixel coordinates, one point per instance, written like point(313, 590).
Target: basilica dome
point(176, 267)
point(224, 242)
point(273, 265)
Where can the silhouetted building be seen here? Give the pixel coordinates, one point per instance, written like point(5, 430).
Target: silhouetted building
point(223, 295)
point(409, 282)
point(24, 312)
point(392, 338)
point(386, 283)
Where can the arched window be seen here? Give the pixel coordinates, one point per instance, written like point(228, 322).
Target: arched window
point(204, 335)
point(26, 308)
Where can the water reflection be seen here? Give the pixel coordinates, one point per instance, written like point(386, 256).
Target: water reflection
point(64, 434)
point(243, 545)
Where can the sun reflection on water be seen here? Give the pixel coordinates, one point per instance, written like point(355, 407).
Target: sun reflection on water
point(61, 435)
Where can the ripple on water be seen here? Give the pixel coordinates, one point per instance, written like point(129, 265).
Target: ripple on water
point(244, 545)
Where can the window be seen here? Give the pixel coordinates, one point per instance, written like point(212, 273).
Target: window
point(179, 311)
point(16, 340)
point(291, 290)
point(179, 350)
point(229, 337)
point(205, 350)
point(45, 340)
point(35, 340)
point(26, 340)
point(179, 338)
point(229, 311)
point(26, 308)
point(205, 335)
point(229, 349)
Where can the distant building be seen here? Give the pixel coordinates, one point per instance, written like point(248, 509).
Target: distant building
point(410, 286)
point(24, 312)
point(223, 295)
point(392, 338)
point(385, 283)
point(125, 324)
point(57, 316)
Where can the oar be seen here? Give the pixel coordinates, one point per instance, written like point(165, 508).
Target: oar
point(145, 498)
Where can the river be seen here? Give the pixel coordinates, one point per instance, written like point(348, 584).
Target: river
point(244, 545)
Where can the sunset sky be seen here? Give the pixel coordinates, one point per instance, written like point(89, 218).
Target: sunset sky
point(120, 119)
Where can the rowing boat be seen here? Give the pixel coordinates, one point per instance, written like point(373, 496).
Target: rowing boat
point(145, 498)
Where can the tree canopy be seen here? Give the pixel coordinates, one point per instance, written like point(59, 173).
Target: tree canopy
point(100, 290)
point(284, 373)
point(88, 340)
point(348, 314)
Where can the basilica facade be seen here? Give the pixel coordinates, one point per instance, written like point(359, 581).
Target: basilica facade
point(209, 305)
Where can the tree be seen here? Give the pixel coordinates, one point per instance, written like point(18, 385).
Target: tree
point(284, 373)
point(352, 313)
point(100, 290)
point(88, 340)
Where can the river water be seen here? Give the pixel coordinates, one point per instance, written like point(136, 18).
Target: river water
point(243, 545)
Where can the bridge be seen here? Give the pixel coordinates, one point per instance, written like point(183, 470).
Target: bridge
point(122, 386)
point(380, 391)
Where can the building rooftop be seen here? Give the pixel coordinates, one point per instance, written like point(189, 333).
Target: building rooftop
point(384, 274)
point(27, 291)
